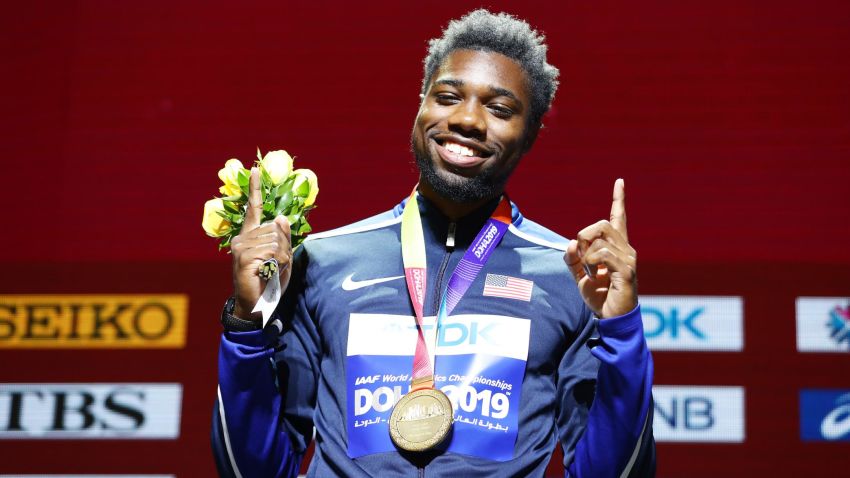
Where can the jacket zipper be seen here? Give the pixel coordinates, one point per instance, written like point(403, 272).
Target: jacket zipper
point(438, 291)
point(441, 272)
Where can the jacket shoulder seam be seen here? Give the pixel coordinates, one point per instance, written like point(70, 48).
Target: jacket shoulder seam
point(537, 240)
point(353, 229)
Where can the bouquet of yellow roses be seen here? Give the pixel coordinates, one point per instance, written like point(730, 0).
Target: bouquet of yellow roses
point(287, 192)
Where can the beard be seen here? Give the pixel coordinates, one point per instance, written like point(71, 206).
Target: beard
point(487, 184)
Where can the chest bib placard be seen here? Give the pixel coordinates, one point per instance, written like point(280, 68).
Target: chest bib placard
point(480, 367)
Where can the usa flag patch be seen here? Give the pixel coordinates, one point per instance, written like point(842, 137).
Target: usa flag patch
point(496, 285)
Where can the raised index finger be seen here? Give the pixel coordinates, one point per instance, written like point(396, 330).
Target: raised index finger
point(255, 202)
point(618, 208)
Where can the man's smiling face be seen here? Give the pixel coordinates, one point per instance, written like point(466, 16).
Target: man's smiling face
point(472, 129)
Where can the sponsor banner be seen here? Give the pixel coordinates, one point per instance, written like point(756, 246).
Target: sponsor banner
point(823, 324)
point(93, 321)
point(693, 323)
point(90, 410)
point(480, 364)
point(825, 415)
point(698, 414)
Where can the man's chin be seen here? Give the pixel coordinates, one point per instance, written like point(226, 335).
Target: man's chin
point(458, 188)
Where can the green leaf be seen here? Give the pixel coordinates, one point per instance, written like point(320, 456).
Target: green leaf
point(283, 187)
point(233, 199)
point(304, 189)
point(286, 197)
point(243, 178)
point(230, 207)
point(280, 209)
point(265, 178)
point(294, 218)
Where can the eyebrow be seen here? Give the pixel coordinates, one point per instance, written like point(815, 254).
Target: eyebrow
point(495, 90)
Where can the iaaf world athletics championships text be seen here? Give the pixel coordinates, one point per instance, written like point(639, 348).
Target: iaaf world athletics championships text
point(477, 379)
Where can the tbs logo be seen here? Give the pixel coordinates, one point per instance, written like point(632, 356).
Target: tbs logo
point(83, 410)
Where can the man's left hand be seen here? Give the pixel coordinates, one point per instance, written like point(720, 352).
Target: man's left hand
point(603, 250)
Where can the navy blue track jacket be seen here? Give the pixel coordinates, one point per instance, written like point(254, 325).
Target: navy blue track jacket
point(580, 382)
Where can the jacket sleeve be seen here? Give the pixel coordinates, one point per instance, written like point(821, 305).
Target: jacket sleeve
point(267, 380)
point(617, 440)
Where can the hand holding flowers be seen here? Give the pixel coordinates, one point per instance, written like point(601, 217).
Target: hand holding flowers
point(262, 216)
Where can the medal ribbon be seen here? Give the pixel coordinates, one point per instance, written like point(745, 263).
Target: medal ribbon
point(415, 268)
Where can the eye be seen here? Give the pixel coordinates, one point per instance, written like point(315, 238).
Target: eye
point(446, 98)
point(501, 111)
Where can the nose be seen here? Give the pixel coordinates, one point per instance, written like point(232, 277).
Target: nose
point(468, 120)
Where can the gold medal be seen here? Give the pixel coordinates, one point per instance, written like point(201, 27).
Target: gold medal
point(421, 419)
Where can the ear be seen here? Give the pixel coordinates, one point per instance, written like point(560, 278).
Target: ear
point(530, 136)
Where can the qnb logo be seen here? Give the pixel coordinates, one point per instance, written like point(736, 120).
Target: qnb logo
point(674, 322)
point(89, 410)
point(698, 414)
point(839, 325)
point(689, 413)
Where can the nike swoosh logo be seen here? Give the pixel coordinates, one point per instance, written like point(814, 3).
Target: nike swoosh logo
point(349, 284)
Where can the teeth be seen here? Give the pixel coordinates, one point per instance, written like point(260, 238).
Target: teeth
point(459, 149)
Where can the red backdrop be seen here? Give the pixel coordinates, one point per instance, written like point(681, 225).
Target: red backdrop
point(730, 122)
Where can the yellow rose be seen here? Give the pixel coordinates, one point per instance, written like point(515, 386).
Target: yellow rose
point(302, 175)
point(213, 223)
point(229, 175)
point(278, 165)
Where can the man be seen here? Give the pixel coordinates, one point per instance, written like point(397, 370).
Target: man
point(505, 308)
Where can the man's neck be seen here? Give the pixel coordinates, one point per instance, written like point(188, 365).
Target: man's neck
point(452, 210)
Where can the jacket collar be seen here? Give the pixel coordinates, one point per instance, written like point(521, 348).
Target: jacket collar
point(436, 224)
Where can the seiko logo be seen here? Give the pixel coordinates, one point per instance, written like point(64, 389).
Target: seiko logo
point(60, 411)
point(76, 321)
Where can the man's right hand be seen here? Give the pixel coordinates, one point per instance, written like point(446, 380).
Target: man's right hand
point(255, 244)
